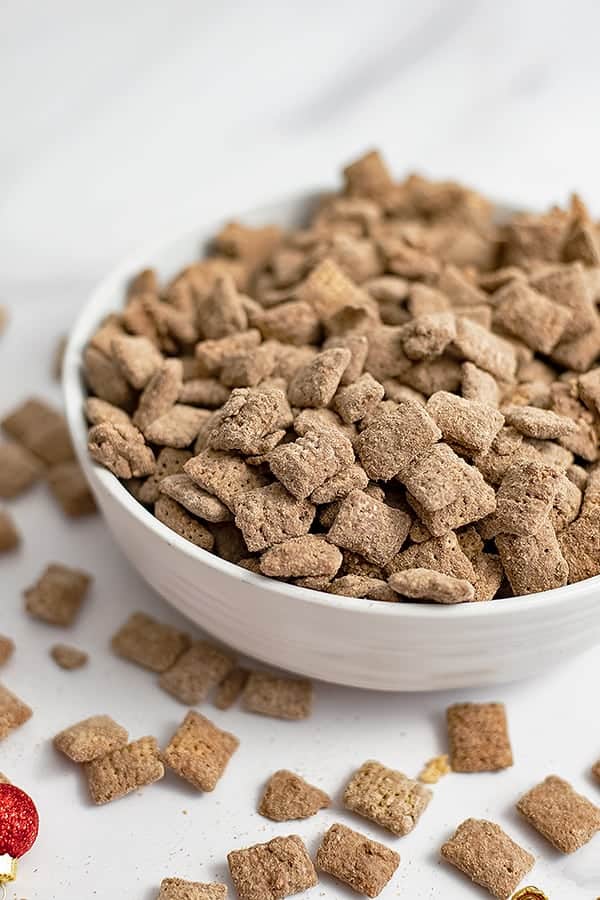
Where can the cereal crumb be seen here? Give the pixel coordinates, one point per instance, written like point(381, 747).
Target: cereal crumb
point(178, 889)
point(13, 712)
point(434, 769)
point(68, 657)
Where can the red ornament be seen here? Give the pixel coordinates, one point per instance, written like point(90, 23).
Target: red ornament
point(19, 821)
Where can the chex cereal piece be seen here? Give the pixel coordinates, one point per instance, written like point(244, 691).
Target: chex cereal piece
point(13, 712)
point(533, 562)
point(250, 367)
point(212, 353)
point(423, 300)
point(567, 286)
point(68, 657)
point(489, 575)
point(294, 322)
point(41, 429)
point(205, 392)
point(270, 515)
point(311, 460)
point(581, 243)
point(434, 769)
point(9, 536)
point(160, 394)
point(580, 545)
point(222, 313)
point(69, 487)
point(247, 421)
point(386, 797)
point(178, 427)
point(358, 345)
point(354, 859)
point(149, 643)
point(199, 751)
point(178, 519)
point(488, 856)
point(58, 594)
point(224, 475)
point(277, 696)
point(478, 736)
point(122, 449)
point(579, 353)
point(567, 503)
point(466, 422)
point(338, 486)
point(168, 462)
point(589, 389)
point(362, 586)
point(443, 554)
point(440, 374)
point(19, 469)
point(181, 488)
point(179, 889)
point(137, 358)
point(357, 400)
point(386, 357)
point(565, 818)
point(525, 497)
point(273, 870)
point(105, 380)
point(124, 770)
point(287, 796)
point(530, 316)
point(435, 479)
point(329, 291)
point(428, 335)
point(479, 385)
point(369, 527)
point(488, 351)
point(368, 175)
point(98, 411)
point(231, 687)
point(196, 672)
point(91, 739)
point(7, 648)
point(475, 500)
point(427, 584)
point(462, 292)
point(307, 556)
point(316, 383)
point(538, 423)
point(394, 439)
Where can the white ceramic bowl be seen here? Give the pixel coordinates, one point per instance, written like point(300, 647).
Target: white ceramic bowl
point(368, 644)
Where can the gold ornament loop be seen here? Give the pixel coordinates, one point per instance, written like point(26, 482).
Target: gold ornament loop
point(529, 893)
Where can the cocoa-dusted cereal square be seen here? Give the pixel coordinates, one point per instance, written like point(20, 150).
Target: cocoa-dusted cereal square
point(427, 584)
point(386, 797)
point(58, 594)
point(41, 429)
point(178, 427)
point(566, 819)
point(196, 672)
point(137, 358)
point(443, 554)
point(488, 856)
point(474, 500)
point(169, 461)
point(9, 535)
point(469, 423)
point(534, 562)
point(91, 739)
point(287, 796)
point(369, 527)
point(124, 770)
point(271, 871)
point(68, 657)
point(224, 475)
point(121, 449)
point(487, 350)
point(315, 384)
point(179, 889)
point(199, 751)
point(436, 477)
point(580, 545)
point(525, 497)
point(231, 687)
point(13, 712)
point(19, 469)
point(151, 644)
point(365, 865)
point(357, 400)
point(478, 736)
point(178, 519)
point(543, 424)
point(311, 460)
point(249, 419)
point(194, 499)
point(68, 485)
point(277, 696)
point(309, 556)
point(530, 316)
point(269, 515)
point(394, 439)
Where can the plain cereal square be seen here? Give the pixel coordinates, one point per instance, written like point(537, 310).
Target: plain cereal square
point(143, 640)
point(91, 739)
point(178, 889)
point(199, 751)
point(488, 856)
point(386, 797)
point(196, 672)
point(279, 697)
point(13, 712)
point(369, 527)
point(57, 596)
point(271, 871)
point(478, 735)
point(394, 439)
point(354, 859)
point(287, 796)
point(566, 819)
point(124, 770)
point(19, 469)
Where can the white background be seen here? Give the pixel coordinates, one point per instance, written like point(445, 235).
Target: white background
point(125, 122)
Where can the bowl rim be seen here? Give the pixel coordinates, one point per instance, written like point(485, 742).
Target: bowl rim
point(98, 304)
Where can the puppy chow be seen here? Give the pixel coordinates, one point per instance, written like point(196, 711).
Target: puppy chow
point(98, 411)
point(160, 394)
point(270, 515)
point(105, 380)
point(287, 796)
point(475, 500)
point(394, 439)
point(247, 421)
point(10, 537)
point(339, 486)
point(487, 350)
point(316, 383)
point(307, 556)
point(207, 393)
point(525, 497)
point(428, 335)
point(176, 428)
point(91, 739)
point(567, 286)
point(441, 554)
point(249, 367)
point(362, 586)
point(179, 520)
point(13, 712)
point(271, 871)
point(386, 797)
point(427, 584)
point(543, 424)
point(469, 423)
point(181, 488)
point(19, 469)
point(277, 696)
point(143, 640)
point(357, 400)
point(232, 685)
point(196, 672)
point(58, 595)
point(124, 770)
point(41, 430)
point(137, 358)
point(199, 751)
point(478, 737)
point(479, 385)
point(311, 460)
point(533, 562)
point(580, 545)
point(358, 345)
point(566, 819)
point(212, 353)
point(386, 357)
point(530, 316)
point(168, 462)
point(224, 475)
point(369, 527)
point(435, 478)
point(180, 889)
point(363, 864)
point(121, 449)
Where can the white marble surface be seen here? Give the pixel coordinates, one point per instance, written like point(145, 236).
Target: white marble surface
point(123, 122)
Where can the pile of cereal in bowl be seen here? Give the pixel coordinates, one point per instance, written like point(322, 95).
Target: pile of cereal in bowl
point(399, 401)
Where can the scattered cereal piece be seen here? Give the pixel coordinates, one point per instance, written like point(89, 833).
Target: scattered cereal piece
point(124, 770)
point(7, 648)
point(533, 562)
point(287, 796)
point(369, 527)
point(386, 797)
point(427, 584)
point(181, 522)
point(270, 515)
point(434, 769)
point(565, 818)
point(122, 449)
point(13, 712)
point(224, 475)
point(525, 497)
point(273, 870)
point(279, 697)
point(538, 423)
point(311, 460)
point(316, 383)
point(465, 422)
point(58, 594)
point(69, 486)
point(307, 556)
point(181, 488)
point(68, 657)
point(196, 672)
point(232, 686)
point(19, 469)
point(91, 739)
point(178, 889)
point(199, 751)
point(9, 536)
point(478, 736)
point(488, 856)
point(354, 859)
point(41, 429)
point(394, 439)
point(149, 643)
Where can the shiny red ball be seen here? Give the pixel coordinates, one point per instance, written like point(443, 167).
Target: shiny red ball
point(19, 821)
